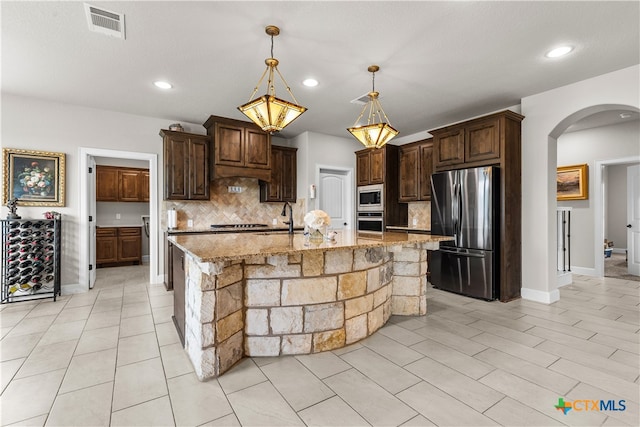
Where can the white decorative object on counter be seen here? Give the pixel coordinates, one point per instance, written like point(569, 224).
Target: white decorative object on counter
point(316, 223)
point(172, 218)
point(317, 219)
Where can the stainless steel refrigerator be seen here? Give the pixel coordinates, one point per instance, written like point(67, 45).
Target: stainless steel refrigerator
point(465, 205)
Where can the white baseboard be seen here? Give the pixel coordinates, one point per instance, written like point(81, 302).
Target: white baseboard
point(74, 288)
point(145, 259)
point(584, 271)
point(540, 296)
point(564, 278)
point(619, 250)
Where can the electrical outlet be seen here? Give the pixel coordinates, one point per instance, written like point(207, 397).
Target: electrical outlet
point(189, 223)
point(415, 221)
point(275, 221)
point(117, 216)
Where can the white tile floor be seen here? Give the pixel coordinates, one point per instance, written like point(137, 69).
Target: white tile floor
point(112, 357)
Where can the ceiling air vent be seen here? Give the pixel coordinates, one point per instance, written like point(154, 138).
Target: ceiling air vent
point(361, 100)
point(104, 21)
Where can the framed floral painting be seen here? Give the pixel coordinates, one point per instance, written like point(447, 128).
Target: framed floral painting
point(34, 178)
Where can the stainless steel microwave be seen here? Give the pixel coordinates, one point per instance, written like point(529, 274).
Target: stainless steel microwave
point(370, 198)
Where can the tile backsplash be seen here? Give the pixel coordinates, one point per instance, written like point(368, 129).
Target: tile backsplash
point(227, 208)
point(421, 211)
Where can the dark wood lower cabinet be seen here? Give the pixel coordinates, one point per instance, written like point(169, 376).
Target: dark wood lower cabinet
point(118, 246)
point(178, 291)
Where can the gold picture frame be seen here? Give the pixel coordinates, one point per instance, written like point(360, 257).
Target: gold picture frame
point(34, 178)
point(572, 182)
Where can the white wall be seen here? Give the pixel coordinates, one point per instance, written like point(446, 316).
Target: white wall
point(32, 124)
point(315, 149)
point(589, 146)
point(547, 116)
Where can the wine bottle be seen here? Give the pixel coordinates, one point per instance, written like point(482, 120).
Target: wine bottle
point(26, 224)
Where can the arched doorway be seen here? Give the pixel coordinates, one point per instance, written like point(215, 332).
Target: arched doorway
point(603, 138)
point(547, 115)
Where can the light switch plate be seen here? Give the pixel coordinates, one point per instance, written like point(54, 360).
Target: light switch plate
point(234, 189)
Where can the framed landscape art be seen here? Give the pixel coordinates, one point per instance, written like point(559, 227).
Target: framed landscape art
point(34, 178)
point(573, 182)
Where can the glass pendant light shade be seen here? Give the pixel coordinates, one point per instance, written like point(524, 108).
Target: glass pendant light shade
point(378, 130)
point(269, 112)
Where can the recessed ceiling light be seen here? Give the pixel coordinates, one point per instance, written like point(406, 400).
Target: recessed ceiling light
point(163, 85)
point(559, 51)
point(310, 82)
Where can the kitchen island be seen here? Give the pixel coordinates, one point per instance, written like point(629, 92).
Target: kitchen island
point(265, 294)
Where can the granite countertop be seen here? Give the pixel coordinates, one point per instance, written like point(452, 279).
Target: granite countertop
point(212, 230)
point(403, 228)
point(233, 246)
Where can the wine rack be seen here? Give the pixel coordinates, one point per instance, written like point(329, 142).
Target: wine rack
point(30, 259)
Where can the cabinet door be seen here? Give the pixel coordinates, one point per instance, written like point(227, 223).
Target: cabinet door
point(143, 177)
point(449, 148)
point(106, 184)
point(129, 183)
point(363, 166)
point(426, 169)
point(129, 244)
point(377, 166)
point(257, 149)
point(482, 141)
point(198, 169)
point(272, 191)
point(409, 173)
point(229, 145)
point(178, 292)
point(289, 178)
point(106, 245)
point(176, 167)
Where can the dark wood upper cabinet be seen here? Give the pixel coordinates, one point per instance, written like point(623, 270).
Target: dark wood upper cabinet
point(129, 185)
point(492, 140)
point(106, 184)
point(409, 173)
point(239, 149)
point(121, 184)
point(416, 166)
point(282, 187)
point(426, 169)
point(363, 162)
point(380, 166)
point(371, 166)
point(186, 165)
point(468, 144)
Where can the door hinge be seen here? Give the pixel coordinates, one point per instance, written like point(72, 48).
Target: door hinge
point(90, 218)
point(90, 170)
point(90, 267)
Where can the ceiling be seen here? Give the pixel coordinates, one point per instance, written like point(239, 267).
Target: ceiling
point(441, 62)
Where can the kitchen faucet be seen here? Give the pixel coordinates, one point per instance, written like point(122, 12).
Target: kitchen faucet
point(284, 213)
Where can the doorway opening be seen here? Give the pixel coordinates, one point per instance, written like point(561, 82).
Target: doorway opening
point(335, 195)
point(88, 211)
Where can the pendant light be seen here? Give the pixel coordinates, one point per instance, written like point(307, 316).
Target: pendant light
point(272, 114)
point(378, 130)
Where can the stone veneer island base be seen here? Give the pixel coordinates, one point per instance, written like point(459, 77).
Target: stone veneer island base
point(270, 295)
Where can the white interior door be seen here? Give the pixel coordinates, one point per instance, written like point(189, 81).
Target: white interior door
point(334, 193)
point(91, 194)
point(633, 219)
